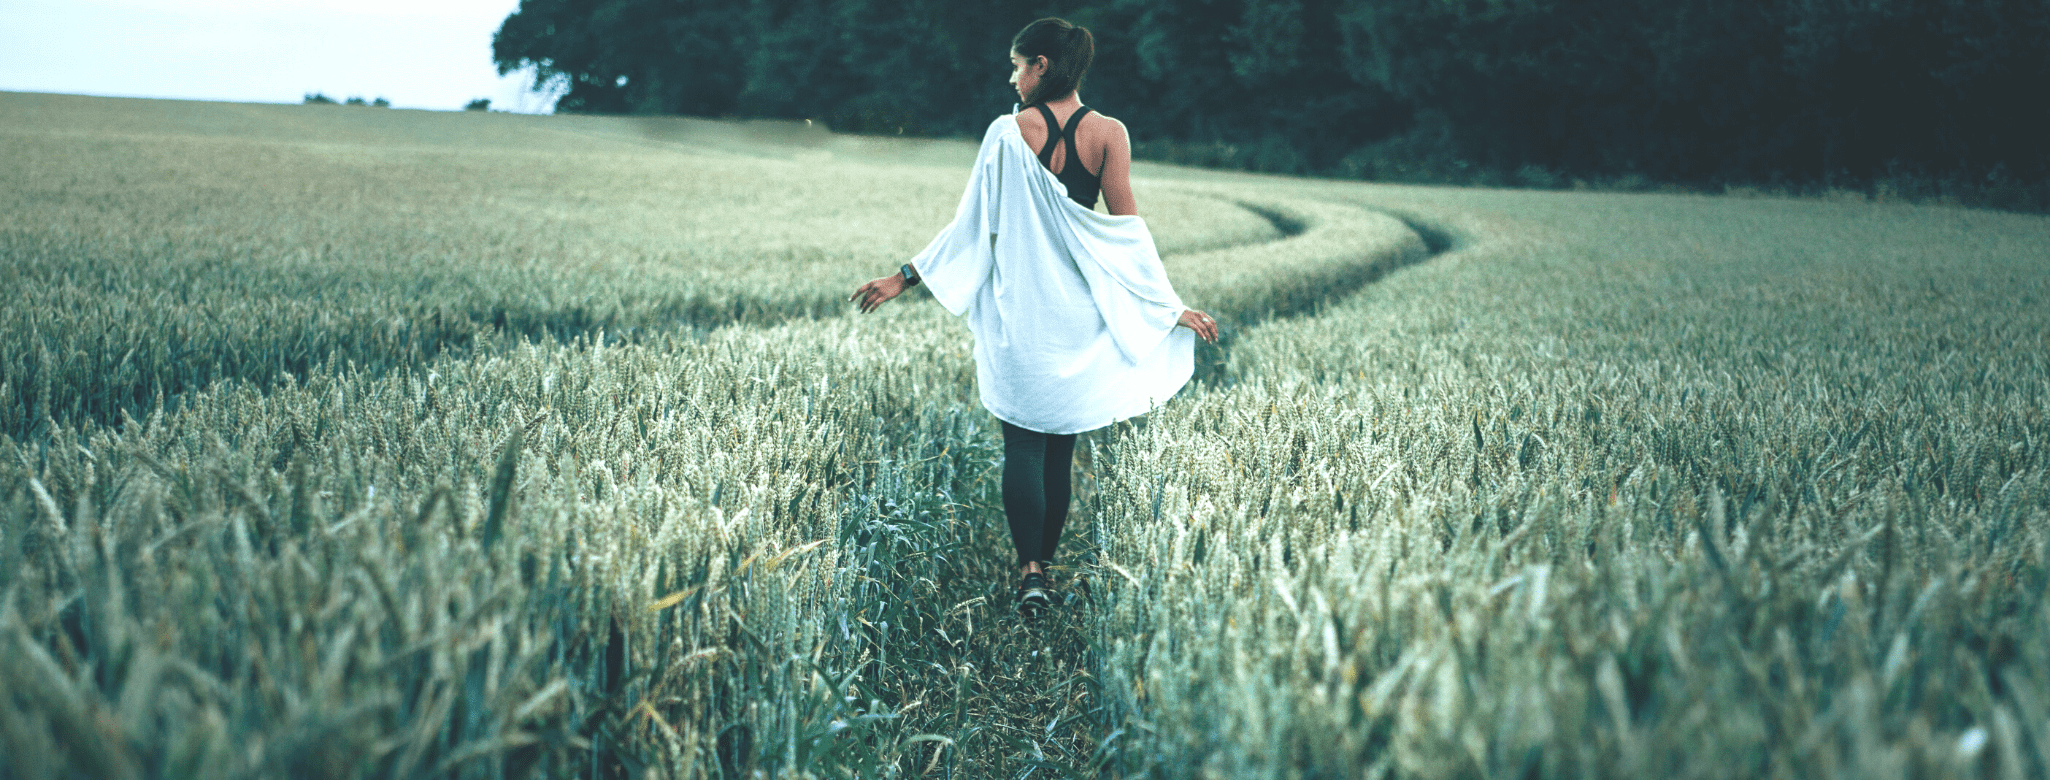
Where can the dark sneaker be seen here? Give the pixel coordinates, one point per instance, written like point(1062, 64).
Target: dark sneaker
point(1033, 596)
point(1054, 596)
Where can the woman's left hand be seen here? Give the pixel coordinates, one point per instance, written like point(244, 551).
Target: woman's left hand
point(877, 291)
point(1201, 323)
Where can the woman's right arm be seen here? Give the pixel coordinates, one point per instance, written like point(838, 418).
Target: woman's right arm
point(1116, 176)
point(1116, 173)
point(1201, 323)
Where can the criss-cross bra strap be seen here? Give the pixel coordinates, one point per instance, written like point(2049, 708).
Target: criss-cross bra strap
point(1074, 148)
point(1067, 133)
point(1052, 135)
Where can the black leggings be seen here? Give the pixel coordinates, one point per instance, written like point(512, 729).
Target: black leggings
point(1037, 485)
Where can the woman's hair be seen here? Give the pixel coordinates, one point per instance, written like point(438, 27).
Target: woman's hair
point(1068, 50)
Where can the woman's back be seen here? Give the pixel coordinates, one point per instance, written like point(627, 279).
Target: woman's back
point(1102, 148)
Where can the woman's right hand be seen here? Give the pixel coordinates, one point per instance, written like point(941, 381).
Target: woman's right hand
point(1201, 323)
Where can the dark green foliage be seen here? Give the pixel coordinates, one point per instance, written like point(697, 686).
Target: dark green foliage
point(630, 57)
point(1932, 96)
point(1700, 91)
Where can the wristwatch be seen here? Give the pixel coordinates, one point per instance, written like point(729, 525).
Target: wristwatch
point(910, 275)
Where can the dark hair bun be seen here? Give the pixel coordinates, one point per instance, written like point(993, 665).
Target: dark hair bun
point(1068, 50)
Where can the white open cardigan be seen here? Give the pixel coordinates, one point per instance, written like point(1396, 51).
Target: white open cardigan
point(1073, 316)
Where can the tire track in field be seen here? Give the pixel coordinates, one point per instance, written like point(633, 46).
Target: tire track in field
point(1345, 247)
point(1108, 715)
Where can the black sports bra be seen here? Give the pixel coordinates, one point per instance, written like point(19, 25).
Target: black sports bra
point(1083, 186)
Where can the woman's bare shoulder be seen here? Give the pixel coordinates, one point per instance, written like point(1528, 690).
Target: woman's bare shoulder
point(1104, 132)
point(1103, 125)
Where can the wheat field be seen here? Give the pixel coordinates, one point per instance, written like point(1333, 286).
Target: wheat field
point(345, 442)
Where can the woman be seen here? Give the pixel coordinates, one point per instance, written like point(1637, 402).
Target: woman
point(1075, 324)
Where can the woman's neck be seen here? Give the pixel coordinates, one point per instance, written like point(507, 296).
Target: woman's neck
point(1072, 100)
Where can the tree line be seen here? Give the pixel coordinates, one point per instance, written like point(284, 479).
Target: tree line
point(1841, 93)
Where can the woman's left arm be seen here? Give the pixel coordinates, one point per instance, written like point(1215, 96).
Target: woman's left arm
point(959, 259)
point(879, 291)
point(1116, 173)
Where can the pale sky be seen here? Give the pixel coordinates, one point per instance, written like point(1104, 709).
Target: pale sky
point(419, 54)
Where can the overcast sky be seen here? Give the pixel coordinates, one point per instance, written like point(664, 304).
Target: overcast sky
point(417, 53)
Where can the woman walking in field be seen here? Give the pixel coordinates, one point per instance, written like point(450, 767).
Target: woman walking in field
point(1075, 324)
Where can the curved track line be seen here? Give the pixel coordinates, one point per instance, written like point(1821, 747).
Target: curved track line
point(1339, 248)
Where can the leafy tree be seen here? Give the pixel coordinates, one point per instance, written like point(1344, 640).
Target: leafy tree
point(630, 56)
point(1527, 91)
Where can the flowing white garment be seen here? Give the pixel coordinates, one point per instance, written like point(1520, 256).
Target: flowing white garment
point(1073, 317)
